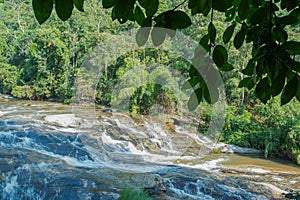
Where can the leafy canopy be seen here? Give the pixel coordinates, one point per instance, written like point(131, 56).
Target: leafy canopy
point(274, 67)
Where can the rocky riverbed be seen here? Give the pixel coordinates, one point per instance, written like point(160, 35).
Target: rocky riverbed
point(55, 151)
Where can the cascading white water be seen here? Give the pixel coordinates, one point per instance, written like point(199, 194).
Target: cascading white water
point(46, 152)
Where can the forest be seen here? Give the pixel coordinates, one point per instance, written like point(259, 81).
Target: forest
point(42, 62)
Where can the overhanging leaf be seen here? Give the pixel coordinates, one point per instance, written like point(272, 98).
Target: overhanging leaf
point(239, 39)
point(260, 16)
point(151, 6)
point(124, 10)
point(212, 32)
point(228, 33)
point(210, 94)
point(222, 5)
point(220, 55)
point(263, 90)
point(79, 4)
point(109, 3)
point(279, 34)
point(247, 82)
point(298, 91)
point(289, 91)
point(278, 84)
point(42, 9)
point(292, 46)
point(139, 15)
point(243, 9)
point(204, 42)
point(64, 9)
point(287, 20)
point(226, 67)
point(178, 20)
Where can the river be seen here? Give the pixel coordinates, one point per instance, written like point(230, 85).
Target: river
point(55, 151)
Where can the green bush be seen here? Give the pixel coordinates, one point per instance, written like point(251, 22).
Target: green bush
point(130, 193)
point(269, 127)
point(147, 96)
point(9, 76)
point(24, 92)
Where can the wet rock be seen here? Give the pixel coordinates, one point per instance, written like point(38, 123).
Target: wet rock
point(228, 148)
point(64, 120)
point(158, 188)
point(106, 110)
point(151, 183)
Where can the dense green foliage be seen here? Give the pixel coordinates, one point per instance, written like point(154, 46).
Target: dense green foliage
point(269, 127)
point(274, 65)
point(43, 61)
point(152, 96)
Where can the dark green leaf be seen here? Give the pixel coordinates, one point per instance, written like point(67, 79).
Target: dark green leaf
point(206, 11)
point(222, 5)
point(204, 42)
point(287, 20)
point(198, 93)
point(298, 91)
point(210, 94)
point(228, 33)
point(239, 39)
point(109, 3)
point(289, 91)
point(263, 90)
point(206, 95)
point(192, 3)
point(226, 67)
point(249, 70)
point(151, 6)
point(292, 46)
point(178, 20)
point(42, 9)
point(192, 72)
point(243, 9)
point(279, 34)
point(220, 55)
point(288, 4)
point(139, 15)
point(260, 16)
point(230, 14)
point(79, 4)
point(212, 32)
point(124, 10)
point(64, 9)
point(296, 13)
point(294, 65)
point(198, 6)
point(283, 55)
point(194, 81)
point(247, 82)
point(278, 83)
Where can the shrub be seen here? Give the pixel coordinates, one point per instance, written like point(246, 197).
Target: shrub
point(270, 127)
point(24, 92)
point(130, 193)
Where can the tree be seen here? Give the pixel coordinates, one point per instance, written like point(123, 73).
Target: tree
point(274, 67)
